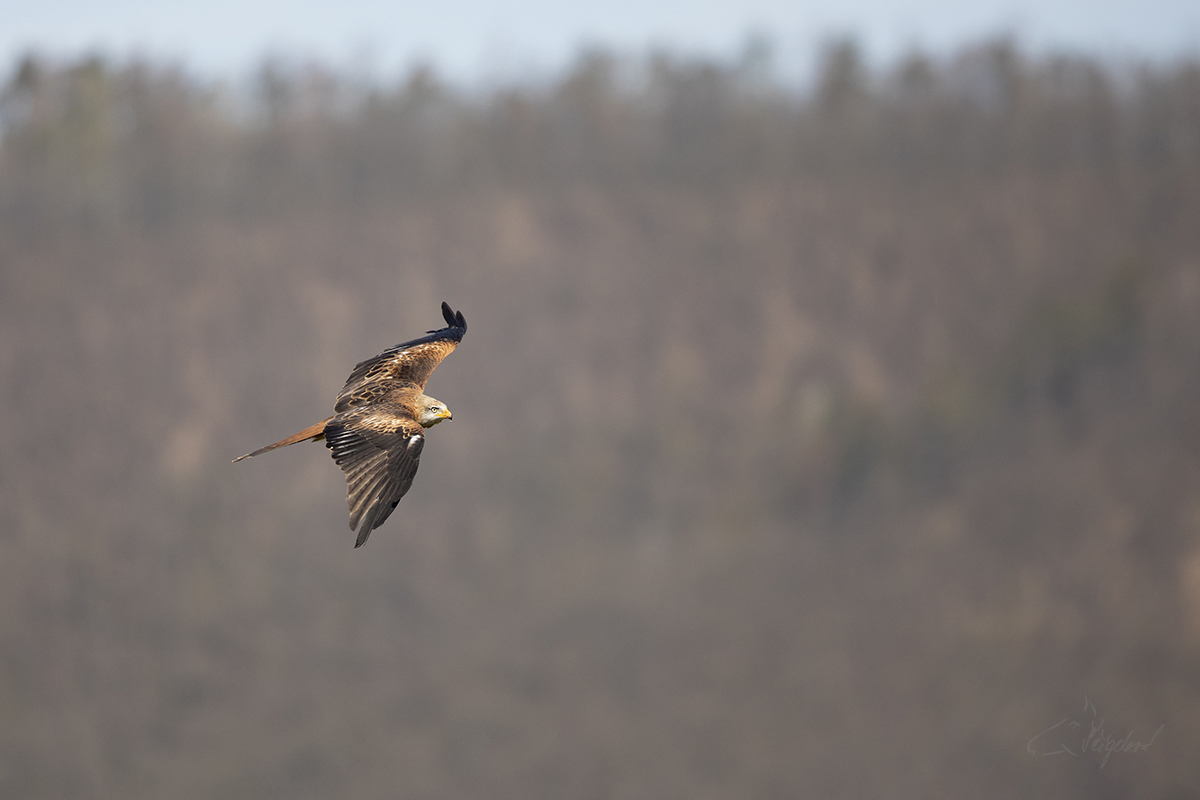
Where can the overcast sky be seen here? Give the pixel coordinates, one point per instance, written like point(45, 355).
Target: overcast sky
point(469, 39)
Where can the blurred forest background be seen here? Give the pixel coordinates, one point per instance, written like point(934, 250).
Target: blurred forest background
point(825, 443)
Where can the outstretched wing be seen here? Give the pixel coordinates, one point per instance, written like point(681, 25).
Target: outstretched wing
point(406, 364)
point(379, 449)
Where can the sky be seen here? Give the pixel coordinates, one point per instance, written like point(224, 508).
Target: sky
point(473, 40)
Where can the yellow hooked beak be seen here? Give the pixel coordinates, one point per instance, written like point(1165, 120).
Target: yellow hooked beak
point(445, 414)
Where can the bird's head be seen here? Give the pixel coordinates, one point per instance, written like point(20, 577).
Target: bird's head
point(430, 412)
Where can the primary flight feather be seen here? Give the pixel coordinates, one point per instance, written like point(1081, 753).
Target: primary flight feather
point(378, 431)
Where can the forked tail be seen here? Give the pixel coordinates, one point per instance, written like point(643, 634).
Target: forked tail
point(313, 433)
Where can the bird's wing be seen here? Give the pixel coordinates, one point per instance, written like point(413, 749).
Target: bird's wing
point(379, 449)
point(406, 364)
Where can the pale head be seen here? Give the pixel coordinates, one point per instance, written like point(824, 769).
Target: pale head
point(430, 412)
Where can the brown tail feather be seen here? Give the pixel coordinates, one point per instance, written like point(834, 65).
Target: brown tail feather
point(313, 433)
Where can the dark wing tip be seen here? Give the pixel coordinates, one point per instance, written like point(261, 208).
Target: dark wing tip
point(453, 319)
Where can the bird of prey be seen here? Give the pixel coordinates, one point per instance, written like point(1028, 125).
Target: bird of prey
point(378, 430)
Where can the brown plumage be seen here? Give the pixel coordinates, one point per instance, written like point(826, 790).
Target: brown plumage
point(378, 432)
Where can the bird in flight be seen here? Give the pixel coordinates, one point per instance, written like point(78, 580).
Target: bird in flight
point(378, 430)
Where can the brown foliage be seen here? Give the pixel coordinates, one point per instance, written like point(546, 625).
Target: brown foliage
point(802, 445)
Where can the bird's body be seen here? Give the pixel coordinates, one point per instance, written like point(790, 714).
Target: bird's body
point(378, 430)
